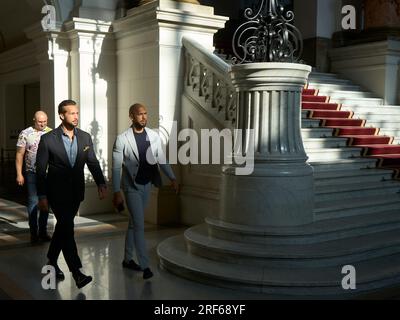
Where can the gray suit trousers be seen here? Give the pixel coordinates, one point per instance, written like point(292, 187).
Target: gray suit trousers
point(135, 244)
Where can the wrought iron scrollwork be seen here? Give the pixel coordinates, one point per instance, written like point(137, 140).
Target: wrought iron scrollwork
point(267, 36)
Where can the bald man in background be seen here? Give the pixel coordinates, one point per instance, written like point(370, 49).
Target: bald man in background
point(27, 146)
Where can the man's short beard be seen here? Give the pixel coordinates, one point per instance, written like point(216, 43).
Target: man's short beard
point(69, 125)
point(137, 125)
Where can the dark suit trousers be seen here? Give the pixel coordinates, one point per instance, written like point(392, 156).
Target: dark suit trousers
point(63, 237)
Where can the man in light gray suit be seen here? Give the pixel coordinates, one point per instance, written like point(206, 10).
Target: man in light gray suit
point(138, 153)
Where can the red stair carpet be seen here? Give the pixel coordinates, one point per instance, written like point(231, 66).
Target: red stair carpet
point(331, 116)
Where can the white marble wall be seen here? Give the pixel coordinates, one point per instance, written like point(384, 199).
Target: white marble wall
point(375, 66)
point(200, 192)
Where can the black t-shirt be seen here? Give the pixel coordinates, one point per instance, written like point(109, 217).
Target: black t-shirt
point(145, 171)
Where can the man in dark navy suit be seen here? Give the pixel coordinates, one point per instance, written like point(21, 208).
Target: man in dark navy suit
point(60, 163)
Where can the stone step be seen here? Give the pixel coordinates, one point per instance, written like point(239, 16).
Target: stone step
point(341, 94)
point(342, 164)
point(395, 133)
point(306, 114)
point(348, 191)
point(308, 133)
point(322, 178)
point(323, 254)
point(302, 282)
point(383, 124)
point(323, 75)
point(331, 209)
point(310, 123)
point(320, 231)
point(382, 109)
point(357, 101)
point(377, 116)
point(332, 142)
point(392, 132)
point(328, 154)
point(328, 80)
point(328, 89)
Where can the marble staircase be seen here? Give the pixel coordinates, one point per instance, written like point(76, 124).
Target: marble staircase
point(357, 214)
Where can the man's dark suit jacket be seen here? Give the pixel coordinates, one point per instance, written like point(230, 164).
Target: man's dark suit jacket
point(56, 179)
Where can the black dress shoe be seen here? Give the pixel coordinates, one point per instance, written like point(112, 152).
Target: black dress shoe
point(131, 265)
point(81, 280)
point(44, 237)
point(147, 274)
point(59, 274)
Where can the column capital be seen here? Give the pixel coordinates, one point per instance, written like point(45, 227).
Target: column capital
point(88, 25)
point(94, 9)
point(170, 14)
point(48, 43)
point(87, 35)
point(260, 76)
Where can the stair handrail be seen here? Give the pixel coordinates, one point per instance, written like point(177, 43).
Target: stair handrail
point(206, 57)
point(207, 81)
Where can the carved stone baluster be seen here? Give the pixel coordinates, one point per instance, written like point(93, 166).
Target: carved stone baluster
point(217, 95)
point(204, 82)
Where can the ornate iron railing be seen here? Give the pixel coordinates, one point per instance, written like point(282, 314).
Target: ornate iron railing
point(267, 36)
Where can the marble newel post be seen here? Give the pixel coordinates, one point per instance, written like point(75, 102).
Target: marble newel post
point(280, 190)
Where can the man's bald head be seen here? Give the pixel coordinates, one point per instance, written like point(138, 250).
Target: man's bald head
point(135, 108)
point(138, 115)
point(40, 115)
point(40, 120)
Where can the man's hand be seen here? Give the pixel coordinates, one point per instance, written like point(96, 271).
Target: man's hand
point(118, 201)
point(20, 180)
point(43, 205)
point(102, 192)
point(175, 185)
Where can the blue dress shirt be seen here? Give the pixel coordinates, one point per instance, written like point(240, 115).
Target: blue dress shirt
point(71, 147)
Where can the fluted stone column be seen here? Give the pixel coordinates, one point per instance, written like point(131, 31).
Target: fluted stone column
point(280, 190)
point(52, 53)
point(93, 86)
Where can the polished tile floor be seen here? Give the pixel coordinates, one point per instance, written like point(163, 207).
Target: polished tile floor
point(101, 244)
point(100, 240)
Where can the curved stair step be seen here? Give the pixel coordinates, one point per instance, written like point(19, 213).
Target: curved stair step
point(371, 275)
point(328, 253)
point(320, 231)
point(359, 206)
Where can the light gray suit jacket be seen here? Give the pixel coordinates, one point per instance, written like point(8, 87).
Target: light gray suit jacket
point(126, 157)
